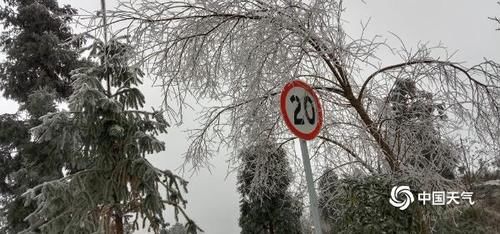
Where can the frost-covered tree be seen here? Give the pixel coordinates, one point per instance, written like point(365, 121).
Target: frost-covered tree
point(103, 140)
point(35, 73)
point(358, 204)
point(176, 229)
point(267, 205)
point(496, 19)
point(327, 186)
point(14, 134)
point(412, 122)
point(39, 48)
point(241, 53)
point(24, 163)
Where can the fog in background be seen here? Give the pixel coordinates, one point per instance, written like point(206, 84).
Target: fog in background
point(460, 25)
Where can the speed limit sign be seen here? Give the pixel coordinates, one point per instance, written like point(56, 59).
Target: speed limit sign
point(301, 110)
point(303, 115)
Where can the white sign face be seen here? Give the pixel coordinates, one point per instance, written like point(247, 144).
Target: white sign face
point(301, 110)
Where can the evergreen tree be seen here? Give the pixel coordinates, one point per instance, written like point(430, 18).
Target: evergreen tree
point(39, 58)
point(266, 205)
point(413, 125)
point(103, 139)
point(39, 46)
point(23, 163)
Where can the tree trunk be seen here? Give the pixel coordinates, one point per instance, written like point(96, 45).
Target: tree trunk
point(271, 228)
point(118, 224)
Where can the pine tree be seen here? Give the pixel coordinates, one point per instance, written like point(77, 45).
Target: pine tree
point(266, 205)
point(36, 75)
point(103, 140)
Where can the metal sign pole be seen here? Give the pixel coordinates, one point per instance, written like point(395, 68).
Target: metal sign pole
point(313, 200)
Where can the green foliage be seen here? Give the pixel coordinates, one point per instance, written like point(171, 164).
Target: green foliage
point(103, 141)
point(266, 205)
point(39, 103)
point(39, 58)
point(361, 205)
point(468, 220)
point(38, 48)
point(24, 163)
point(13, 135)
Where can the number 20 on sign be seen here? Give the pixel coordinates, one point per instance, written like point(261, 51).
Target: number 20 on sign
point(301, 110)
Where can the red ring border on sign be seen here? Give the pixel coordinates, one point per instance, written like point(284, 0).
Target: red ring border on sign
point(284, 92)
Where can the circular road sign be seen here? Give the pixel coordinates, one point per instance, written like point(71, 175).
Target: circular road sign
point(301, 110)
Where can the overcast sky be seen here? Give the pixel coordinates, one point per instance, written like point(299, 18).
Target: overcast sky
point(461, 25)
